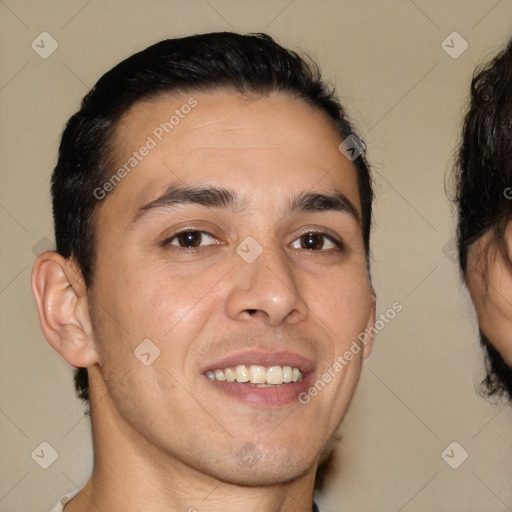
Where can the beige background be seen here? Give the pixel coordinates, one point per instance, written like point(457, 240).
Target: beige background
point(417, 392)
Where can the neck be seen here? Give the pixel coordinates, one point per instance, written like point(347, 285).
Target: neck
point(131, 474)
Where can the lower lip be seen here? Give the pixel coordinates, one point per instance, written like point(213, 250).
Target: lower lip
point(275, 396)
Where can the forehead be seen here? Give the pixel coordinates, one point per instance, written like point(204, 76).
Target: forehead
point(263, 145)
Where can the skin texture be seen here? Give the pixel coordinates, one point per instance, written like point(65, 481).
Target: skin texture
point(164, 437)
point(489, 281)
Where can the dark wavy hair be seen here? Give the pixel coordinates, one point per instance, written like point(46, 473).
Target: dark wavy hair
point(250, 64)
point(483, 174)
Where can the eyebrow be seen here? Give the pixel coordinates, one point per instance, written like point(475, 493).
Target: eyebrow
point(317, 202)
point(218, 197)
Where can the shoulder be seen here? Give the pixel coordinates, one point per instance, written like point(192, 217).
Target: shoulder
point(59, 507)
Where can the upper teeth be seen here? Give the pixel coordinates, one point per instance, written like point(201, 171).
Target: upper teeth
point(256, 374)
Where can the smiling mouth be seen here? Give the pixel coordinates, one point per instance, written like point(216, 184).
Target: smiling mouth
point(257, 375)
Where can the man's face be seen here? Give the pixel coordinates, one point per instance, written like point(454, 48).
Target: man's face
point(270, 273)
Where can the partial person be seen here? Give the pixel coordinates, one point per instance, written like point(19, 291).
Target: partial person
point(484, 202)
point(212, 227)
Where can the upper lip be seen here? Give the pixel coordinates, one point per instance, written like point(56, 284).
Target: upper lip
point(253, 357)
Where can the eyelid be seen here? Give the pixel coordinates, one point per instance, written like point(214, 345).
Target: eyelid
point(168, 239)
point(203, 234)
point(336, 240)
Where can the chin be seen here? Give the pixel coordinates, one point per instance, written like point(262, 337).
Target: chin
point(266, 476)
point(252, 468)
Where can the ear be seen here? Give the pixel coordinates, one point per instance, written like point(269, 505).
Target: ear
point(61, 301)
point(370, 326)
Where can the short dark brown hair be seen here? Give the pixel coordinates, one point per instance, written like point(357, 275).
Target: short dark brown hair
point(484, 183)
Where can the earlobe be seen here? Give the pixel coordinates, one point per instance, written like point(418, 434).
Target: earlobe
point(370, 326)
point(61, 303)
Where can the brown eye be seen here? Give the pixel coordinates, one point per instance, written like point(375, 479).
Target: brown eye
point(316, 242)
point(312, 241)
point(190, 239)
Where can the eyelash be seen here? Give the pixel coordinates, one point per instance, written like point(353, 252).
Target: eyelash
point(339, 245)
point(168, 241)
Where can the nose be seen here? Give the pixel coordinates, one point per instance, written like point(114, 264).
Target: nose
point(266, 290)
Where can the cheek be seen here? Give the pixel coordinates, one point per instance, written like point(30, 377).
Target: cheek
point(161, 304)
point(494, 312)
point(483, 293)
point(343, 303)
